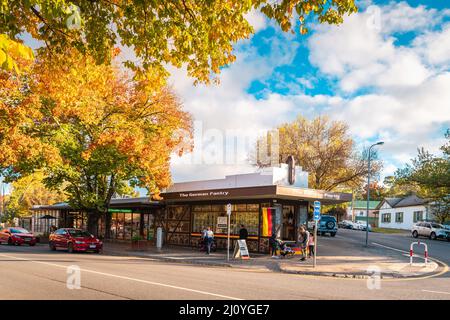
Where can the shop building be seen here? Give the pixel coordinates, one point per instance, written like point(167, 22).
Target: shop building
point(275, 200)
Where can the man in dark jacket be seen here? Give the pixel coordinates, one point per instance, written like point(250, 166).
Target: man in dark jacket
point(243, 233)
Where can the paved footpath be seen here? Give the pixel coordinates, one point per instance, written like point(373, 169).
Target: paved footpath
point(342, 256)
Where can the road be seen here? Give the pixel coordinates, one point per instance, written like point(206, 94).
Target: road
point(37, 273)
point(438, 249)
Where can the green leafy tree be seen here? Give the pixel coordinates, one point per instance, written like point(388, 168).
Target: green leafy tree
point(200, 34)
point(430, 176)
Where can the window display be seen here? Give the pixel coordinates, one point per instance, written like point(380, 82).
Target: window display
point(208, 215)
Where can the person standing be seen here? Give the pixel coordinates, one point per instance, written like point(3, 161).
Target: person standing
point(273, 242)
point(311, 244)
point(303, 239)
point(243, 233)
point(209, 240)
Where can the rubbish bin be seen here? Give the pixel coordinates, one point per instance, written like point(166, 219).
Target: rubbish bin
point(159, 238)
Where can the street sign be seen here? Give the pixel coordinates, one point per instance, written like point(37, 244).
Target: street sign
point(316, 219)
point(316, 210)
point(228, 231)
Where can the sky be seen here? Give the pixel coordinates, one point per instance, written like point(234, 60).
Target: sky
point(385, 71)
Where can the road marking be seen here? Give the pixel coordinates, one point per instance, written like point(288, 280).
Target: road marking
point(440, 292)
point(126, 278)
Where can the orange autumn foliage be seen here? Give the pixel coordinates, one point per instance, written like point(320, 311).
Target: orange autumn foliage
point(90, 127)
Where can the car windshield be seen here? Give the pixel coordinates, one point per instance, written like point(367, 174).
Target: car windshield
point(19, 230)
point(326, 218)
point(437, 226)
point(79, 233)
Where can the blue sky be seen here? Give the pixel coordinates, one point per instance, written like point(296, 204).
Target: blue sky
point(385, 71)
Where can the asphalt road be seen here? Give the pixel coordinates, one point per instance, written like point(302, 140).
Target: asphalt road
point(438, 249)
point(37, 273)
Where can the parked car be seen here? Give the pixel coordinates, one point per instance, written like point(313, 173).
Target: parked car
point(431, 230)
point(327, 224)
point(73, 240)
point(361, 225)
point(17, 236)
point(345, 224)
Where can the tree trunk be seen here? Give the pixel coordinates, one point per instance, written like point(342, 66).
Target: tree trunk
point(108, 218)
point(92, 222)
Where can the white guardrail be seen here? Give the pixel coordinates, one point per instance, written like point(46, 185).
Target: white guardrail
point(411, 251)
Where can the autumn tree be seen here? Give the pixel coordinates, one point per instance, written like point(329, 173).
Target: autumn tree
point(199, 34)
point(430, 175)
point(28, 191)
point(324, 149)
point(91, 129)
point(13, 54)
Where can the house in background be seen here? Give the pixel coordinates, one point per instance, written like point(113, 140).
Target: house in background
point(358, 211)
point(403, 213)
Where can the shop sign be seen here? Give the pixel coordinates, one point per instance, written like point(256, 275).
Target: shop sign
point(222, 222)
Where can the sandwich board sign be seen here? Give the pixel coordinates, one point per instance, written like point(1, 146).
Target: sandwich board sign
point(241, 250)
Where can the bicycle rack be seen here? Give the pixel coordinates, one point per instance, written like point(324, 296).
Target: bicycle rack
point(411, 251)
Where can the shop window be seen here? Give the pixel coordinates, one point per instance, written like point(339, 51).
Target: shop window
point(128, 226)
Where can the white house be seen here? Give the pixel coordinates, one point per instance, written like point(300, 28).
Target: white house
point(402, 213)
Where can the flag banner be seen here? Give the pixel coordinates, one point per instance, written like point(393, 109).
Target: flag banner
point(267, 222)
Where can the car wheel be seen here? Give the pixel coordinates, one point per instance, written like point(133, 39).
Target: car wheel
point(332, 234)
point(330, 225)
point(52, 246)
point(10, 242)
point(70, 248)
point(32, 244)
point(433, 236)
point(415, 234)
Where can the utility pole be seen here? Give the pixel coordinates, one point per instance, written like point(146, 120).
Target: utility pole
point(368, 190)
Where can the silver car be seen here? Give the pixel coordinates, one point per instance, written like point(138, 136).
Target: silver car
point(431, 230)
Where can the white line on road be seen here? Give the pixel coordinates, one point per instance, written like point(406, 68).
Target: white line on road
point(440, 292)
point(126, 278)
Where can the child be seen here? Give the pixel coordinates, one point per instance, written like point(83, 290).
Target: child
point(311, 245)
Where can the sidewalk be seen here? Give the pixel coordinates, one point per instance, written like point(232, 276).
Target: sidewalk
point(354, 261)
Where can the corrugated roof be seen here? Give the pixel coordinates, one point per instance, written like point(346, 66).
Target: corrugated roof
point(361, 204)
point(410, 201)
point(392, 201)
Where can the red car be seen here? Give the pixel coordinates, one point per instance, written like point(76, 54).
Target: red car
point(17, 236)
point(74, 240)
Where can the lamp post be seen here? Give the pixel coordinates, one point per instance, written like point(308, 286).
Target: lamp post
point(368, 190)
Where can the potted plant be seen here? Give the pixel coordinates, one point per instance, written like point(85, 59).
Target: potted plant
point(138, 243)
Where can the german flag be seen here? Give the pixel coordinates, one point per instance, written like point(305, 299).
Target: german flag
point(267, 222)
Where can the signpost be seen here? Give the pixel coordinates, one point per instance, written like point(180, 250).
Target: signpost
point(316, 222)
point(228, 231)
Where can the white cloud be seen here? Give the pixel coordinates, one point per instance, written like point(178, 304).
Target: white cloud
point(405, 101)
point(435, 46)
point(401, 17)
